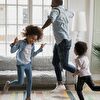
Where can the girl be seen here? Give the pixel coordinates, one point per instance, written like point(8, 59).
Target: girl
point(84, 74)
point(25, 52)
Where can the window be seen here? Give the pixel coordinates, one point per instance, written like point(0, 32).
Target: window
point(16, 14)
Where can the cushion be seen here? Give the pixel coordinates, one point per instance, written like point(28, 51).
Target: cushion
point(38, 63)
point(39, 77)
point(44, 63)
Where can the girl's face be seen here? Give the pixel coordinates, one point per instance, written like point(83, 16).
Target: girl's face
point(31, 38)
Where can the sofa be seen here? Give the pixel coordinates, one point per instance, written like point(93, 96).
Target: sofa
point(43, 75)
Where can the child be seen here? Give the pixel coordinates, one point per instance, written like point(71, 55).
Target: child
point(84, 75)
point(25, 52)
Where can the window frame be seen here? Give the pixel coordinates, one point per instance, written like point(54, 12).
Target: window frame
point(30, 18)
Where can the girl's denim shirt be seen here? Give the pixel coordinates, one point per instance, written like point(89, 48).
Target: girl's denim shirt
point(19, 47)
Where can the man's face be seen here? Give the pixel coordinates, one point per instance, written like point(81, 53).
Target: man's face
point(55, 3)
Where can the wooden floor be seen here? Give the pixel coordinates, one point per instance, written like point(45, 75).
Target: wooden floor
point(69, 94)
point(88, 95)
point(36, 95)
point(87, 92)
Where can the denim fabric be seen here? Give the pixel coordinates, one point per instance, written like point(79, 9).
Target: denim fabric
point(21, 67)
point(81, 82)
point(20, 72)
point(19, 47)
point(60, 57)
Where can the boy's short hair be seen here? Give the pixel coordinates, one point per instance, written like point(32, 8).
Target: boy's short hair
point(80, 48)
point(33, 30)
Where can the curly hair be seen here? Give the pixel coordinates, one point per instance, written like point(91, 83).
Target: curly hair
point(80, 48)
point(33, 30)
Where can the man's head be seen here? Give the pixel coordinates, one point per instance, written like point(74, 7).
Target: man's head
point(56, 3)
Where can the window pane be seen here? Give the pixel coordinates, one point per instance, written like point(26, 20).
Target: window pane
point(11, 1)
point(11, 15)
point(36, 48)
point(2, 14)
point(9, 53)
point(37, 2)
point(2, 1)
point(47, 37)
point(48, 50)
point(2, 34)
point(23, 2)
point(46, 13)
point(20, 30)
point(11, 33)
point(2, 49)
point(22, 15)
point(47, 2)
point(37, 16)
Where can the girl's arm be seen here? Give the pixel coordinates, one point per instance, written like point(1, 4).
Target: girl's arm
point(38, 51)
point(15, 45)
point(34, 53)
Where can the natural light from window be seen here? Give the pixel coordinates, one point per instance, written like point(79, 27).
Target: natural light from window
point(15, 15)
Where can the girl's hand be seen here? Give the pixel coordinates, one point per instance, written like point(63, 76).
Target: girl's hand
point(42, 45)
point(15, 40)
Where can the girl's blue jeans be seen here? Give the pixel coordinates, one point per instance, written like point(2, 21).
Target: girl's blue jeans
point(20, 71)
point(60, 58)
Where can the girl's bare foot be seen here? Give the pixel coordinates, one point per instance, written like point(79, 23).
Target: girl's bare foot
point(6, 86)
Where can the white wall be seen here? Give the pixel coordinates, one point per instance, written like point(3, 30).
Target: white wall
point(95, 61)
point(80, 6)
point(96, 35)
point(87, 7)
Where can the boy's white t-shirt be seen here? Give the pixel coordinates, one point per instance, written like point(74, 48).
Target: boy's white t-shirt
point(27, 54)
point(83, 65)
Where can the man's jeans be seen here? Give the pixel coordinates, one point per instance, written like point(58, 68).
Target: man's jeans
point(60, 58)
point(20, 71)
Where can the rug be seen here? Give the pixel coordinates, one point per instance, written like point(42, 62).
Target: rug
point(37, 95)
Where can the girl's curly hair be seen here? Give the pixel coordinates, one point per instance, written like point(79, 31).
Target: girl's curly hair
point(81, 48)
point(33, 30)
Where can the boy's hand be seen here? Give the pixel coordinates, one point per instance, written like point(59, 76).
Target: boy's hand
point(42, 45)
point(76, 73)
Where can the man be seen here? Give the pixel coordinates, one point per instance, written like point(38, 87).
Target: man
point(60, 18)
